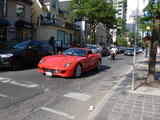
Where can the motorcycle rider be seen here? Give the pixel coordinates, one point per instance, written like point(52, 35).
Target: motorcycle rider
point(113, 52)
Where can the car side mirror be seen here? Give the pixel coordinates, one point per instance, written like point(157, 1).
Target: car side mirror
point(29, 48)
point(89, 55)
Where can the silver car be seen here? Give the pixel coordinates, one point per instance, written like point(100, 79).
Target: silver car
point(95, 48)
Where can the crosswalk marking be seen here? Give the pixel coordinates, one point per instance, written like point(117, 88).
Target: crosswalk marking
point(22, 84)
point(77, 96)
point(4, 96)
point(57, 112)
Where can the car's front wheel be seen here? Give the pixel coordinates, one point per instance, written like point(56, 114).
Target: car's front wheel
point(98, 65)
point(78, 71)
point(17, 64)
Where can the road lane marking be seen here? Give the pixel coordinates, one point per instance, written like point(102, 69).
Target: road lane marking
point(24, 84)
point(78, 96)
point(57, 112)
point(2, 95)
point(6, 81)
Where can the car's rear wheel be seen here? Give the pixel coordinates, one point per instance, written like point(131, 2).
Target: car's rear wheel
point(78, 71)
point(17, 64)
point(98, 65)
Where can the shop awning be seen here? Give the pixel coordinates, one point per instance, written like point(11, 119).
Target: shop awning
point(23, 23)
point(4, 22)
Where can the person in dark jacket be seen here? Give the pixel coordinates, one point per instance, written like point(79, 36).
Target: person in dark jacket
point(52, 43)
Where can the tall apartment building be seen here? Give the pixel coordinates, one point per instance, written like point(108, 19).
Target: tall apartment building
point(121, 6)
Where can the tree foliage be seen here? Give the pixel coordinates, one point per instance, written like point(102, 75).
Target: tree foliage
point(121, 26)
point(122, 41)
point(152, 16)
point(94, 11)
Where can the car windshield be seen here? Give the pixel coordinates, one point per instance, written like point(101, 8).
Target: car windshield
point(91, 47)
point(21, 45)
point(130, 49)
point(75, 52)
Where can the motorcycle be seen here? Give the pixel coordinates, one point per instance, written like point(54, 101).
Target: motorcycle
point(112, 55)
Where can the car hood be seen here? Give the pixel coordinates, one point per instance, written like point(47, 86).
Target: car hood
point(60, 60)
point(13, 51)
point(129, 51)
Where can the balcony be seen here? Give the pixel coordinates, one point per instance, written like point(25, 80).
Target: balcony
point(41, 21)
point(28, 1)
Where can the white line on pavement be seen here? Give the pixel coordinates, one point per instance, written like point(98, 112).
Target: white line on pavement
point(6, 80)
point(5, 96)
point(57, 112)
point(24, 84)
point(77, 96)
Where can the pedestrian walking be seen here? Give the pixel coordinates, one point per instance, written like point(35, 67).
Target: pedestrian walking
point(158, 50)
point(146, 52)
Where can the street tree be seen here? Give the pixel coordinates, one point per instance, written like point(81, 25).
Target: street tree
point(121, 26)
point(94, 11)
point(111, 22)
point(121, 31)
point(122, 41)
point(152, 15)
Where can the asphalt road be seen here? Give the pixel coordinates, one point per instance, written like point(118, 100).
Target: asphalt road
point(33, 96)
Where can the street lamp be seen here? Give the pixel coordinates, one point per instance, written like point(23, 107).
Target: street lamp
point(146, 52)
point(148, 28)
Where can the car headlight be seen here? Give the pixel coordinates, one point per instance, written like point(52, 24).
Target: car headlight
point(67, 65)
point(6, 55)
point(41, 61)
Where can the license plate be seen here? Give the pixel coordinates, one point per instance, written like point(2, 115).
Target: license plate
point(48, 74)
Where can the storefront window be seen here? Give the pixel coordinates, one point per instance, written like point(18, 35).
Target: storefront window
point(61, 36)
point(3, 36)
point(3, 6)
point(20, 10)
point(24, 34)
point(66, 38)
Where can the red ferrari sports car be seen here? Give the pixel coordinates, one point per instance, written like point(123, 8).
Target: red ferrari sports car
point(72, 62)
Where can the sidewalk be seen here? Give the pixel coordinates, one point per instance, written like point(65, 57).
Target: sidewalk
point(141, 104)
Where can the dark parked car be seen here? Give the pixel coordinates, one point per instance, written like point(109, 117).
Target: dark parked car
point(24, 53)
point(129, 52)
point(121, 49)
point(105, 52)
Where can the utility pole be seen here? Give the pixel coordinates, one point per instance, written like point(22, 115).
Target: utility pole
point(135, 44)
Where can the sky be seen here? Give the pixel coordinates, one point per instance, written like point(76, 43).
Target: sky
point(132, 7)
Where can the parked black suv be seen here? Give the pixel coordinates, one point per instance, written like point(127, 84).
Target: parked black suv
point(24, 53)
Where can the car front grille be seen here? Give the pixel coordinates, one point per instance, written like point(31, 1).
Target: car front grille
point(50, 70)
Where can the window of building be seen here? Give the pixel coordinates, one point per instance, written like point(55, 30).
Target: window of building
point(61, 35)
point(119, 14)
point(3, 8)
point(120, 6)
point(49, 17)
point(20, 10)
point(54, 3)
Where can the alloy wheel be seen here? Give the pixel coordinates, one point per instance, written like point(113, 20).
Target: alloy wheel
point(78, 71)
point(99, 65)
